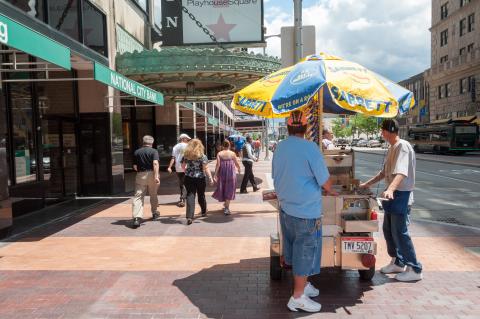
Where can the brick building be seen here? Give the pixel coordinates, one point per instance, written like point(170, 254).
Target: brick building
point(455, 59)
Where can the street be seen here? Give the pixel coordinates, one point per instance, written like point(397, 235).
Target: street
point(444, 192)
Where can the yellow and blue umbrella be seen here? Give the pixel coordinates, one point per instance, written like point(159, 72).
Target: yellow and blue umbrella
point(348, 88)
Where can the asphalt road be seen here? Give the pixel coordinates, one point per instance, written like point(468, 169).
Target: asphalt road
point(444, 192)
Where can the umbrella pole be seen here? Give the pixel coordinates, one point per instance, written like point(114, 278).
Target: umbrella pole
point(320, 118)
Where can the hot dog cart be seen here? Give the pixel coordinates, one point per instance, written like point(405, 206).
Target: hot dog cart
point(348, 223)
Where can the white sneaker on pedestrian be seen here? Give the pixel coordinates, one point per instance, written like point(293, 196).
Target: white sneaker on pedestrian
point(310, 290)
point(303, 303)
point(391, 268)
point(226, 211)
point(409, 275)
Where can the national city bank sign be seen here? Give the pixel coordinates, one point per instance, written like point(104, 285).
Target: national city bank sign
point(120, 82)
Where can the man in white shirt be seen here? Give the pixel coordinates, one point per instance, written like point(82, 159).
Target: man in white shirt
point(177, 155)
point(399, 174)
point(327, 143)
point(247, 161)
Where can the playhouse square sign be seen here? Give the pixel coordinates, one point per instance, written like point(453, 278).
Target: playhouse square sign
point(189, 22)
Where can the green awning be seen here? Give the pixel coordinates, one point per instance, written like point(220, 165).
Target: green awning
point(124, 84)
point(22, 38)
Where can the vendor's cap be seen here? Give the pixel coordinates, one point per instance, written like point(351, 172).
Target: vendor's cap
point(297, 118)
point(184, 136)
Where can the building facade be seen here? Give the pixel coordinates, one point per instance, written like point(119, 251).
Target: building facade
point(455, 59)
point(419, 113)
point(71, 118)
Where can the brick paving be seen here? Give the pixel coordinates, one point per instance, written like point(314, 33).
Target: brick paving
point(95, 266)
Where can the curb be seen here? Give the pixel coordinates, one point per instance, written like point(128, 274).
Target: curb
point(428, 160)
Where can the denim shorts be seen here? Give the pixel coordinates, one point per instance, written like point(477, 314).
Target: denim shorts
point(302, 243)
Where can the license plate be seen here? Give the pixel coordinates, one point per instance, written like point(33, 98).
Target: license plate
point(358, 245)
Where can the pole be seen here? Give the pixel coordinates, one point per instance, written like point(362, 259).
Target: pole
point(265, 137)
point(297, 13)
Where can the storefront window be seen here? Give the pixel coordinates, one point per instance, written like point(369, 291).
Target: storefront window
point(23, 133)
point(33, 8)
point(144, 113)
point(63, 16)
point(94, 30)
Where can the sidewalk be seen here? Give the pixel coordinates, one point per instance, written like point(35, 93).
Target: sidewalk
point(94, 265)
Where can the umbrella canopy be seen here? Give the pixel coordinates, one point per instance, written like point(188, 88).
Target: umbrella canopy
point(347, 88)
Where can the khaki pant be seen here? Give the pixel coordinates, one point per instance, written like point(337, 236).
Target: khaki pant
point(144, 181)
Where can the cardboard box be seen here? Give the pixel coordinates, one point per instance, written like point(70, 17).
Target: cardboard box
point(360, 226)
point(328, 252)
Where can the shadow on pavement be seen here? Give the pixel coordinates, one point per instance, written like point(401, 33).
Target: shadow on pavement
point(46, 222)
point(244, 290)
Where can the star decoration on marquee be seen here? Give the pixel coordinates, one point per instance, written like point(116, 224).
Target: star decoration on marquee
point(221, 29)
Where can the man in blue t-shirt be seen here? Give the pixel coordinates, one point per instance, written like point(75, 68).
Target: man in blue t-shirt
point(299, 173)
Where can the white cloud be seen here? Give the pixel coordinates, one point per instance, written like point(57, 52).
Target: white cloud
point(390, 38)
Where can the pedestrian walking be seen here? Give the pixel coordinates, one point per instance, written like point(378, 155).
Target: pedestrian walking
point(146, 164)
point(327, 143)
point(195, 163)
point(177, 155)
point(257, 146)
point(226, 176)
point(299, 173)
point(247, 161)
point(399, 174)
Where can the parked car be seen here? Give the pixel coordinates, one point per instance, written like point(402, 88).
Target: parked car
point(362, 143)
point(340, 142)
point(374, 143)
point(354, 142)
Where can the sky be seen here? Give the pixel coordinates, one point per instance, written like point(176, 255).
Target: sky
point(390, 37)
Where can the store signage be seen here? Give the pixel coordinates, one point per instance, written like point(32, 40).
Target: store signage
point(190, 22)
point(24, 39)
point(120, 82)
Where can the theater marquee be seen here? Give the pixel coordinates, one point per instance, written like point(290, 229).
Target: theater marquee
point(199, 22)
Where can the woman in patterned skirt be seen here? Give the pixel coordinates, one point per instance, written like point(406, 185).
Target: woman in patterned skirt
point(226, 176)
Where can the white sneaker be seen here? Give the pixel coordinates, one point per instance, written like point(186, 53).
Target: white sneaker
point(409, 275)
point(391, 268)
point(303, 303)
point(226, 211)
point(310, 290)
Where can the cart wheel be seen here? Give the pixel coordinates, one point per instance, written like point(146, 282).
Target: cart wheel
point(275, 268)
point(367, 274)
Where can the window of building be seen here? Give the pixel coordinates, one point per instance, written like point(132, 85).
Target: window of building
point(444, 59)
point(471, 22)
point(94, 28)
point(463, 26)
point(444, 11)
point(464, 2)
point(443, 37)
point(463, 85)
point(448, 90)
point(470, 48)
point(63, 16)
point(142, 4)
point(440, 92)
point(470, 83)
point(462, 51)
point(33, 8)
point(24, 146)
